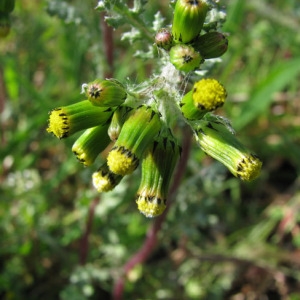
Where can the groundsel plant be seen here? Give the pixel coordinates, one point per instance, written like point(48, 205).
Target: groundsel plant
point(139, 119)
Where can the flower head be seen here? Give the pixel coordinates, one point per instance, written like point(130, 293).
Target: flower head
point(206, 95)
point(135, 136)
point(67, 120)
point(216, 140)
point(104, 180)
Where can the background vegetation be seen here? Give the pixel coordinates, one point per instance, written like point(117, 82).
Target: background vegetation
point(222, 239)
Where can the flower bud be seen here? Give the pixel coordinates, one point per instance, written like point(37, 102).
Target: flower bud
point(108, 92)
point(91, 143)
point(164, 39)
point(189, 16)
point(206, 95)
point(119, 117)
point(65, 121)
point(157, 168)
point(185, 58)
point(216, 140)
point(104, 180)
point(136, 134)
point(4, 24)
point(212, 44)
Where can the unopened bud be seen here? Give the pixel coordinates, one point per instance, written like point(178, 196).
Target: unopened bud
point(211, 45)
point(185, 58)
point(120, 115)
point(108, 92)
point(164, 39)
point(189, 16)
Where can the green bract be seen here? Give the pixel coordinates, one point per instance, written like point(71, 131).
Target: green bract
point(188, 19)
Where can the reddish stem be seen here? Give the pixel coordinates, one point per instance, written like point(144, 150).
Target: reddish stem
point(108, 44)
point(151, 239)
point(84, 242)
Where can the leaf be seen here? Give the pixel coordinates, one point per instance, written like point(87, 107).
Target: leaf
point(280, 75)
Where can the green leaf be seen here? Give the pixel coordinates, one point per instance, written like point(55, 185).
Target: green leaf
point(280, 75)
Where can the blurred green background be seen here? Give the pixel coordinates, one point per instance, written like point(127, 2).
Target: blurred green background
point(222, 239)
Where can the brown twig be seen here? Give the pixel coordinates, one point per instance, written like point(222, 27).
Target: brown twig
point(151, 239)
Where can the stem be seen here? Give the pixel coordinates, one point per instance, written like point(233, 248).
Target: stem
point(84, 243)
point(108, 44)
point(151, 239)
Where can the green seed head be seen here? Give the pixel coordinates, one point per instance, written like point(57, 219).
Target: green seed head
point(189, 16)
point(104, 180)
point(212, 44)
point(185, 58)
point(206, 95)
point(67, 120)
point(91, 143)
point(216, 140)
point(108, 92)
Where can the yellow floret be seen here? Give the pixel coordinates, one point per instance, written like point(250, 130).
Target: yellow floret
point(122, 161)
point(249, 168)
point(208, 94)
point(59, 123)
point(150, 206)
point(103, 182)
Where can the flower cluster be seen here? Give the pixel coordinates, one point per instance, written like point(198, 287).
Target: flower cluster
point(6, 8)
point(139, 120)
point(187, 46)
